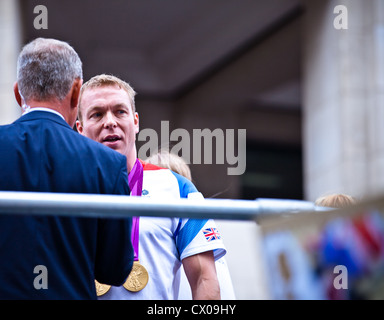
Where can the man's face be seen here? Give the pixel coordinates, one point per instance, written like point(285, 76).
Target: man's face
point(108, 118)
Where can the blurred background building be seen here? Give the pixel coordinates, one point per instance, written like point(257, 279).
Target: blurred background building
point(306, 81)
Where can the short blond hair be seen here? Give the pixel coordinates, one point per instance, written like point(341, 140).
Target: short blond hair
point(104, 80)
point(336, 200)
point(165, 159)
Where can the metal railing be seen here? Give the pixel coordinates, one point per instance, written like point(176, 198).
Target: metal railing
point(92, 205)
point(258, 211)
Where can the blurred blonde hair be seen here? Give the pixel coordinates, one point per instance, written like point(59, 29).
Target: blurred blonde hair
point(336, 200)
point(165, 159)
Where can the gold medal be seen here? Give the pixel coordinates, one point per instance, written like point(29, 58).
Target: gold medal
point(137, 279)
point(101, 289)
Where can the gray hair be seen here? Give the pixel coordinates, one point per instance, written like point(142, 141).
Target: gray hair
point(46, 69)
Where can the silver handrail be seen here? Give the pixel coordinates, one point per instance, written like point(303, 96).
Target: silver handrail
point(117, 206)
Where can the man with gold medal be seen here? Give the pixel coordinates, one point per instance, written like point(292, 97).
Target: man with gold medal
point(138, 277)
point(107, 114)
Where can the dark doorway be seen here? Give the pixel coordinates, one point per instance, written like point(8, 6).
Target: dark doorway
point(273, 172)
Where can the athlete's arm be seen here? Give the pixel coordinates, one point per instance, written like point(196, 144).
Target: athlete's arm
point(201, 273)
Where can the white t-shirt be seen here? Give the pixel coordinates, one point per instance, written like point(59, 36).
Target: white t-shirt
point(165, 242)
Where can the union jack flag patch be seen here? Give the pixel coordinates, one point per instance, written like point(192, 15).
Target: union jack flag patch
point(211, 234)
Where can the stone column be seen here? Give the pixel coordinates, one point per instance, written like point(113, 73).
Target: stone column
point(10, 35)
point(343, 99)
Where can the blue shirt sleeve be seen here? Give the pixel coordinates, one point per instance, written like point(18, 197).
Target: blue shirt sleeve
point(192, 227)
point(185, 185)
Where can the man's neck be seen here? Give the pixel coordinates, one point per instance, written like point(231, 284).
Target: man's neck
point(131, 160)
point(51, 104)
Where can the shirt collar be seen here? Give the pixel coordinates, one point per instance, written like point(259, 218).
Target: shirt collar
point(44, 109)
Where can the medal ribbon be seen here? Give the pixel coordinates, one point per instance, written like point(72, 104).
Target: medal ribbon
point(135, 182)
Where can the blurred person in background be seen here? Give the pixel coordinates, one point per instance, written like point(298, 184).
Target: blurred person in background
point(336, 200)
